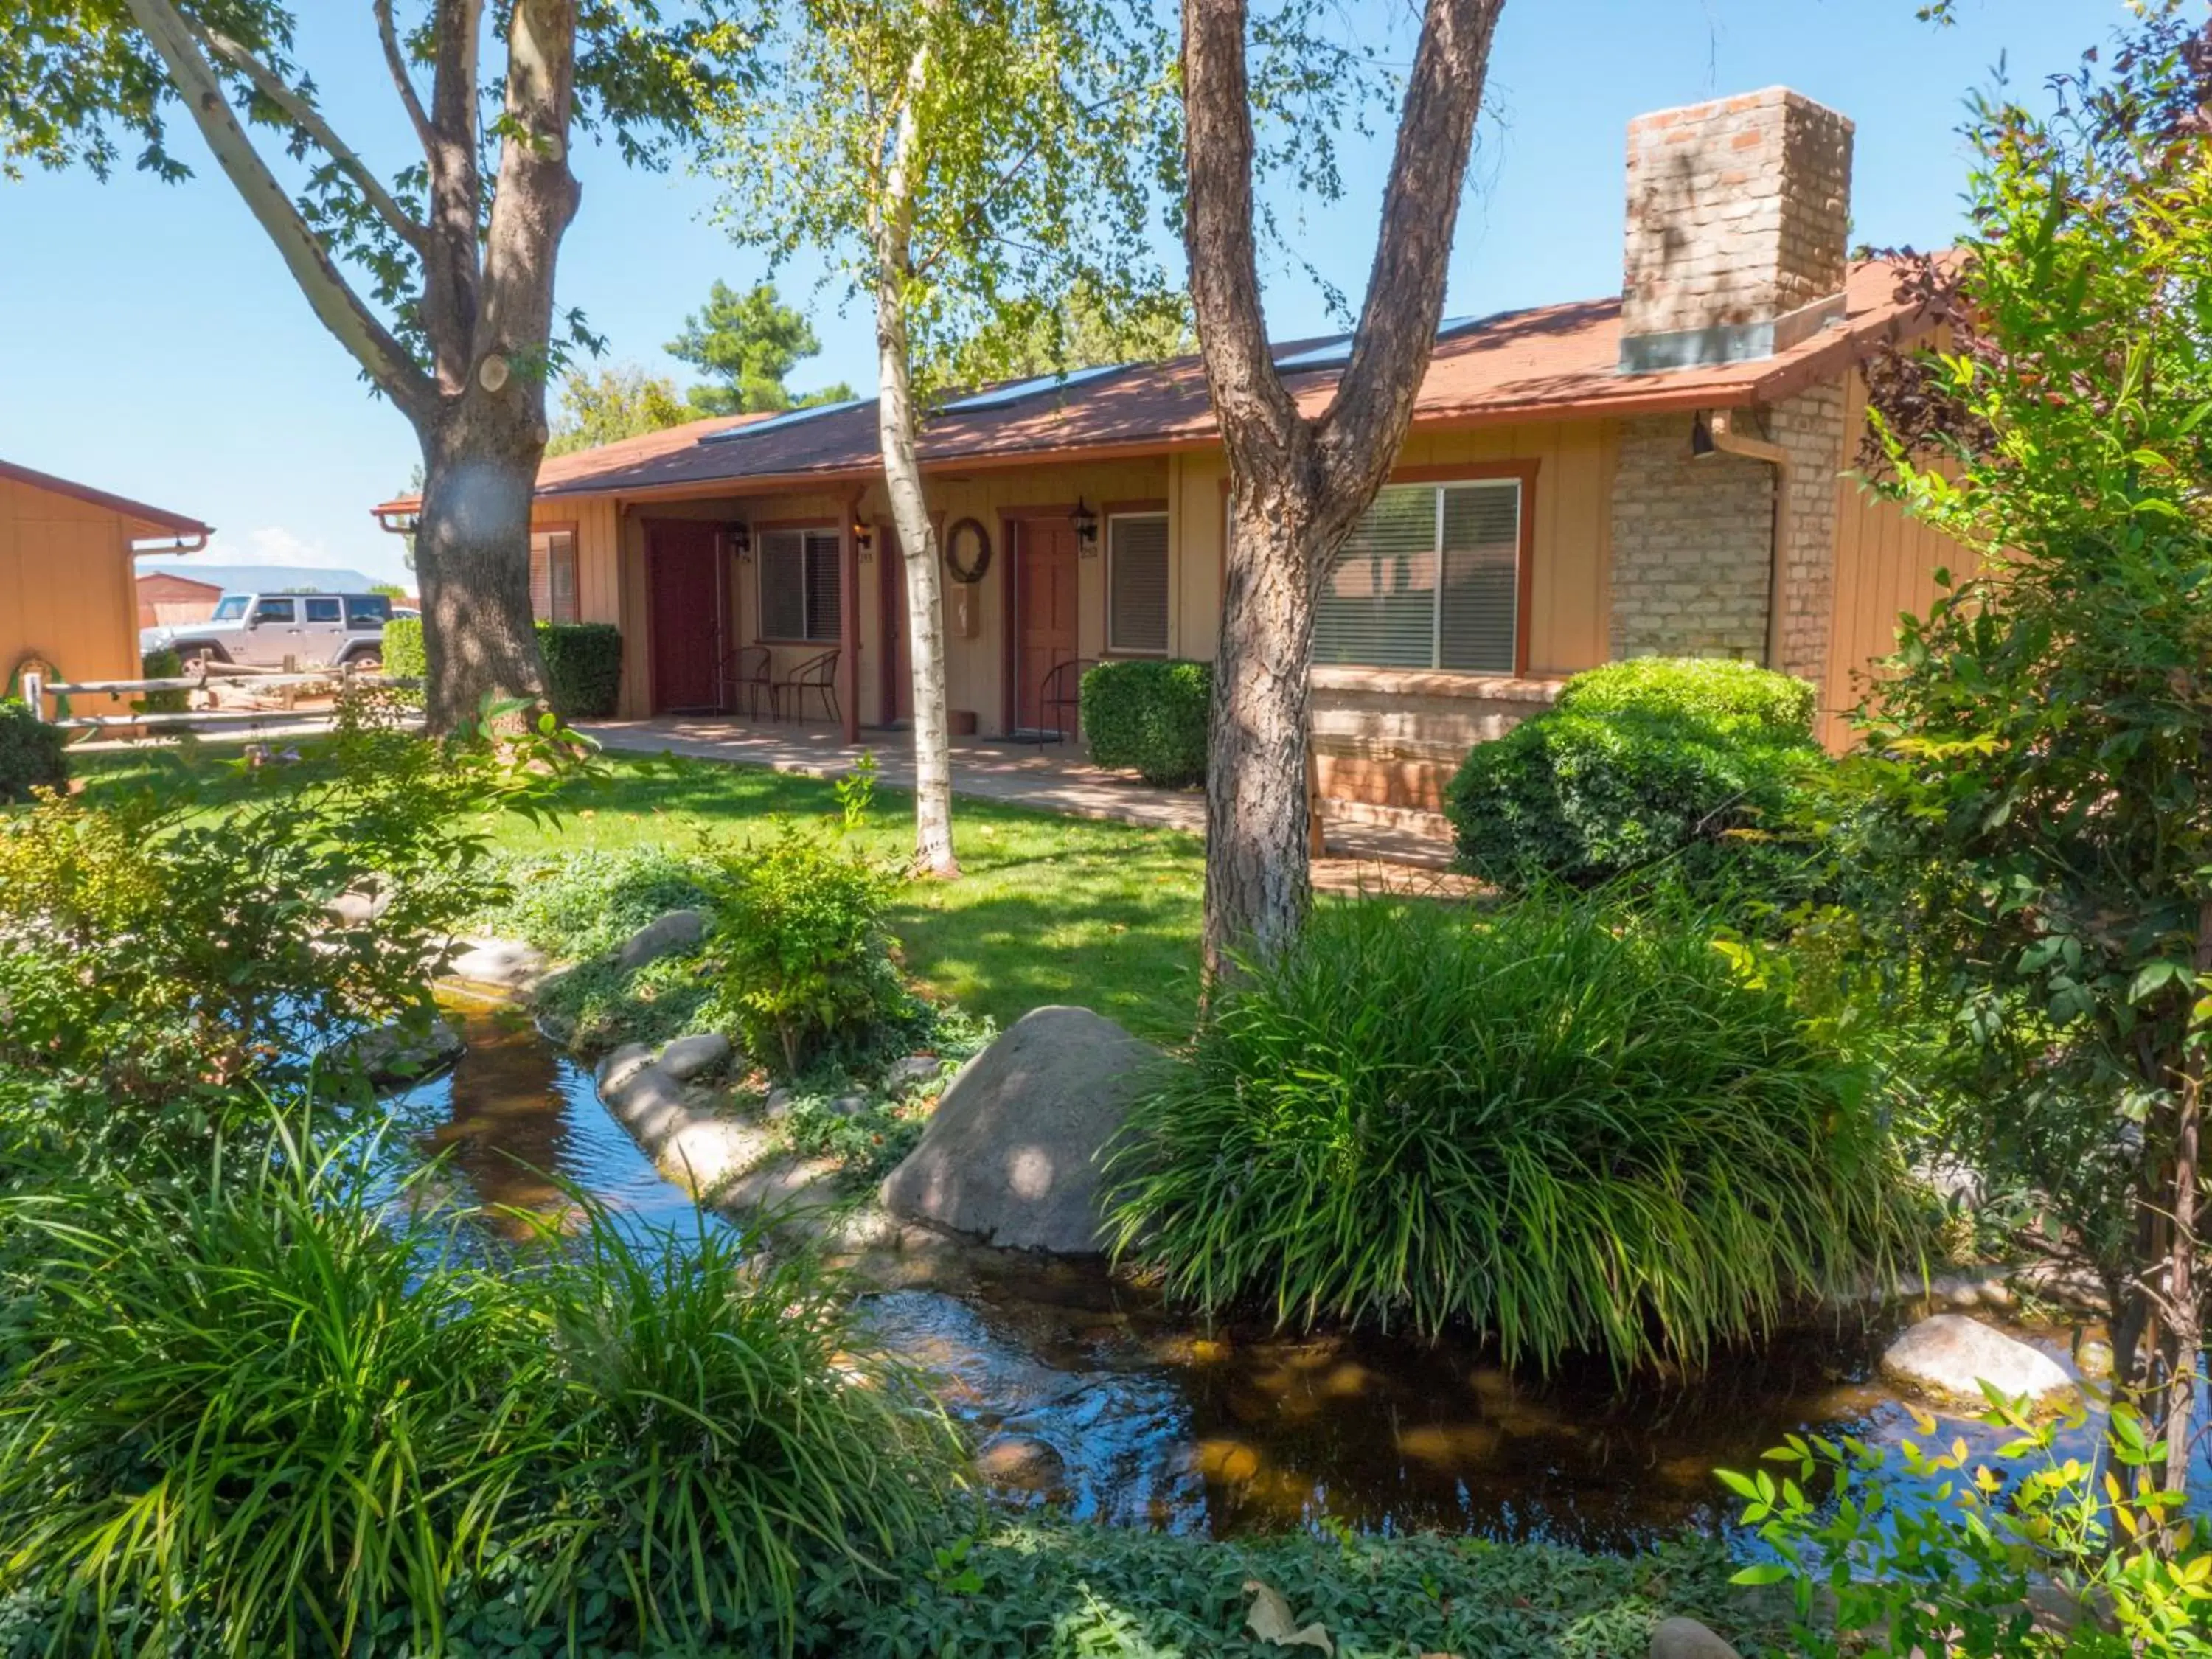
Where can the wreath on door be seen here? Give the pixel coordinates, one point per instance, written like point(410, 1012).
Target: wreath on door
point(967, 551)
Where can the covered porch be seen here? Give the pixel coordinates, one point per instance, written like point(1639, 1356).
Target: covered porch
point(791, 597)
point(1365, 850)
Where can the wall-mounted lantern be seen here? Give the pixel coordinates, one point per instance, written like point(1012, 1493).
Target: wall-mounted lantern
point(864, 538)
point(1086, 530)
point(740, 538)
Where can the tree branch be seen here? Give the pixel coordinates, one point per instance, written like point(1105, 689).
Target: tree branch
point(309, 119)
point(536, 194)
point(1254, 410)
point(1397, 335)
point(334, 302)
point(396, 61)
point(451, 271)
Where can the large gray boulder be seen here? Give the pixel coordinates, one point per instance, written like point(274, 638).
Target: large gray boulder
point(1949, 1357)
point(1011, 1154)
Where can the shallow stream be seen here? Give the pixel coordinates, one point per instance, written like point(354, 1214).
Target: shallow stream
point(1088, 1391)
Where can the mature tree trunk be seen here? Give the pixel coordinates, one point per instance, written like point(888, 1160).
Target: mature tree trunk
point(893, 235)
point(477, 635)
point(1299, 484)
point(486, 308)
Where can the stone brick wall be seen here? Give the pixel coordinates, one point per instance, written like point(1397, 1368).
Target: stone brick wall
point(1692, 546)
point(1392, 736)
point(1810, 427)
point(1692, 541)
point(1739, 211)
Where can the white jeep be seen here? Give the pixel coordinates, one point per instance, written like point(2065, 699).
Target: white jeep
point(315, 630)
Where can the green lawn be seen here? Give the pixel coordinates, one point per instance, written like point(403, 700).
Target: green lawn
point(1051, 909)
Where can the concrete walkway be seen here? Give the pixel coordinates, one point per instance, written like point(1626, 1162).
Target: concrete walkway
point(1050, 778)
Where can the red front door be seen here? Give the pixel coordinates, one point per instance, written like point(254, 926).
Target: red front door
point(1044, 599)
point(683, 560)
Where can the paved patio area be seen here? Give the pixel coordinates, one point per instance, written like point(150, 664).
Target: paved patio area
point(1050, 777)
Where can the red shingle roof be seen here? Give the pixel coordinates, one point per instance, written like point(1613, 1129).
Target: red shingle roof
point(1547, 363)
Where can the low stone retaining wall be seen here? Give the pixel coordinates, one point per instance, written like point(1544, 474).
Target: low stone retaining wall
point(1393, 738)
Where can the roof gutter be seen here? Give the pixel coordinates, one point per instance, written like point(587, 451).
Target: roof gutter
point(194, 543)
point(1720, 426)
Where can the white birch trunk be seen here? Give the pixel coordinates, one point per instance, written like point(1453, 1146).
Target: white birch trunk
point(895, 428)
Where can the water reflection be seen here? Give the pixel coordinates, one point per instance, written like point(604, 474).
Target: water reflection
point(516, 1111)
point(1234, 1429)
point(1085, 1391)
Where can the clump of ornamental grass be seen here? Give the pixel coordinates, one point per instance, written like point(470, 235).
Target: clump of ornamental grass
point(1568, 1123)
point(721, 1439)
point(280, 1414)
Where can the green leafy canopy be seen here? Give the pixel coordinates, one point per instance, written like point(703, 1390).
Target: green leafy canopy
point(80, 86)
point(2047, 726)
point(1043, 131)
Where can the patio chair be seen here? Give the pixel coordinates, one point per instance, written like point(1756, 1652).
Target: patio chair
point(817, 675)
point(746, 678)
point(1059, 699)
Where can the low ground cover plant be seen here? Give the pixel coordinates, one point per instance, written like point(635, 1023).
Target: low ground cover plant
point(1150, 717)
point(1698, 768)
point(579, 908)
point(1578, 1125)
point(1042, 1590)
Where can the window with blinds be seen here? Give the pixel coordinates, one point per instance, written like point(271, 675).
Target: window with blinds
point(799, 596)
point(1136, 583)
point(1428, 580)
point(553, 576)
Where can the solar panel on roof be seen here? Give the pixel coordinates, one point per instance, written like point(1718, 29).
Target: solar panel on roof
point(1329, 354)
point(999, 397)
point(753, 428)
point(1336, 353)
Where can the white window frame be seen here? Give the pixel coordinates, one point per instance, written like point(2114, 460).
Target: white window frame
point(1113, 647)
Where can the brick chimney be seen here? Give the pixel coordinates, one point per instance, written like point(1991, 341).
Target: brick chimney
point(1738, 216)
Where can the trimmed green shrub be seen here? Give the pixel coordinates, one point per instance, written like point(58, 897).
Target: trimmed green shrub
point(583, 667)
point(1151, 718)
point(1700, 766)
point(583, 663)
point(403, 658)
point(1573, 1125)
point(163, 665)
point(1716, 691)
point(31, 752)
point(804, 956)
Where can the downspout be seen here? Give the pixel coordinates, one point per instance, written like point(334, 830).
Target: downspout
point(1721, 423)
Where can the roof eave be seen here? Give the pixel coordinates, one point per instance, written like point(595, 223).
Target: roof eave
point(156, 521)
point(1754, 383)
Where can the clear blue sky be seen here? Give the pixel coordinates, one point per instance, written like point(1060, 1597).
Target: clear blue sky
point(151, 344)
